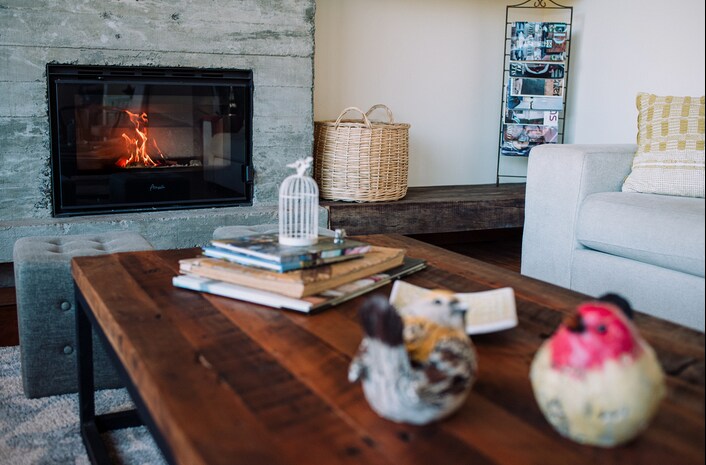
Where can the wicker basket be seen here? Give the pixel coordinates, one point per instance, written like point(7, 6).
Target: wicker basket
point(360, 160)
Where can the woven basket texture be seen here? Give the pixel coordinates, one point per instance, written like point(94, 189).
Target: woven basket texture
point(360, 160)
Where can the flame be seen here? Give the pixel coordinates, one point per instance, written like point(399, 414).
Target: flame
point(137, 154)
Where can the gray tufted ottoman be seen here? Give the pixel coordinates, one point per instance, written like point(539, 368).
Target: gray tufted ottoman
point(45, 309)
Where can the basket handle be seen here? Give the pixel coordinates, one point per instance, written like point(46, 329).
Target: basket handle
point(380, 105)
point(365, 117)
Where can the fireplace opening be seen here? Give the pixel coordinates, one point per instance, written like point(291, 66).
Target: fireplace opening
point(149, 138)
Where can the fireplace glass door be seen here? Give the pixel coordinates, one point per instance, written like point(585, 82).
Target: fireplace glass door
point(140, 139)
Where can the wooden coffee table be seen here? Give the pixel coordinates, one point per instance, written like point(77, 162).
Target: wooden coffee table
point(218, 381)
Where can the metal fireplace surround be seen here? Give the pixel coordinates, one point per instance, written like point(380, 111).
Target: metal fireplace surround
point(149, 138)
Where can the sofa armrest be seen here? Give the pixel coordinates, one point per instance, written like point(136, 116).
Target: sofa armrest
point(559, 177)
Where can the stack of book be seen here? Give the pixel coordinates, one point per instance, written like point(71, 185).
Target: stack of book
point(256, 268)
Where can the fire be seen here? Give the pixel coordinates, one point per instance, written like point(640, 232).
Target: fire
point(137, 154)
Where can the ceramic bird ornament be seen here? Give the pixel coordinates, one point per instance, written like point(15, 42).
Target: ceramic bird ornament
point(416, 365)
point(596, 380)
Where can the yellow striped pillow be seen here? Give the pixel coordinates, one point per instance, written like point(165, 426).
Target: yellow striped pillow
point(670, 146)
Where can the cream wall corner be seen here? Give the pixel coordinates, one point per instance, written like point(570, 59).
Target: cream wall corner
point(438, 66)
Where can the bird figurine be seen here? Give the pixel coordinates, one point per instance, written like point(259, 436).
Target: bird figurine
point(416, 365)
point(596, 380)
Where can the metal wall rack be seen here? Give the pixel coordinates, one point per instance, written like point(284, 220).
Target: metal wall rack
point(524, 71)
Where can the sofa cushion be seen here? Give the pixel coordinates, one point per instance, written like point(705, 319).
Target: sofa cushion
point(670, 152)
point(661, 230)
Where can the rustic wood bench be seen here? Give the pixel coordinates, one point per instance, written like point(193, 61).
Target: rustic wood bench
point(437, 209)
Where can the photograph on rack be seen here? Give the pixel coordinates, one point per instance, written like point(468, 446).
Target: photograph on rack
point(542, 70)
point(533, 41)
point(518, 139)
point(536, 87)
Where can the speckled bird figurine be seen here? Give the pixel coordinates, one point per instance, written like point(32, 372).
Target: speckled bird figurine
point(596, 380)
point(416, 365)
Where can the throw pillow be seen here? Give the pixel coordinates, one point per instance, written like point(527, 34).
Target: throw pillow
point(670, 147)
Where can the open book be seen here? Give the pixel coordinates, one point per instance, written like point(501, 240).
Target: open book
point(488, 311)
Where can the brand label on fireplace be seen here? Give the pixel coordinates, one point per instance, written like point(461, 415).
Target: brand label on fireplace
point(157, 188)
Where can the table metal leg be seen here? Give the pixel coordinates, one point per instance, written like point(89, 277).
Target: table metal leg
point(93, 425)
point(97, 452)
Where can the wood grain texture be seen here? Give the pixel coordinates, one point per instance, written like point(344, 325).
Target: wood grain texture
point(433, 210)
point(232, 382)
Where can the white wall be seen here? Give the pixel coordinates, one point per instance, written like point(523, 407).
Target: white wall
point(438, 66)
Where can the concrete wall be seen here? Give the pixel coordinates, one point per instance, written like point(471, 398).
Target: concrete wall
point(273, 38)
point(438, 66)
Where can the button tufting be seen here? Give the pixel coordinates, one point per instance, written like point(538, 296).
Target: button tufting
point(68, 349)
point(65, 305)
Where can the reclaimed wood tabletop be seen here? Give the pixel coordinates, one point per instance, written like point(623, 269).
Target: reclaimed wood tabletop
point(228, 382)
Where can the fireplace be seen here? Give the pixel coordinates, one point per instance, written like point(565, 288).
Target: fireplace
point(149, 138)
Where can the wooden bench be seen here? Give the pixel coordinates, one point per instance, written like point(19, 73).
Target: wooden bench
point(438, 209)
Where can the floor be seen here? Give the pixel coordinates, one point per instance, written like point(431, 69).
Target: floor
point(500, 248)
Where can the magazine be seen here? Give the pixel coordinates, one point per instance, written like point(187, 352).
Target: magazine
point(267, 247)
point(536, 87)
point(532, 41)
point(535, 103)
point(537, 70)
point(518, 139)
point(534, 134)
point(312, 304)
point(525, 102)
point(537, 117)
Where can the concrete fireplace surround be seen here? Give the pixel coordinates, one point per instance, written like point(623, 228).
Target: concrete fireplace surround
point(273, 38)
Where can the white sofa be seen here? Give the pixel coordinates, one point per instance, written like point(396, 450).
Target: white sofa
point(581, 232)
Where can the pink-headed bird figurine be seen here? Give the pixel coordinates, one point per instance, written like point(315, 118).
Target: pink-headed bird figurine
point(596, 380)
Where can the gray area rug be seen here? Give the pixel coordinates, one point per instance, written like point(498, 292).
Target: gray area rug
point(45, 431)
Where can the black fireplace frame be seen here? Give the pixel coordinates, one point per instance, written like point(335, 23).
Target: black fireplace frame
point(62, 73)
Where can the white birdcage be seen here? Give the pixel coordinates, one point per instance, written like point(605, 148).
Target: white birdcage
point(299, 207)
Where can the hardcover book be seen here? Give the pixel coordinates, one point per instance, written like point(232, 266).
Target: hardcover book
point(267, 247)
point(311, 304)
point(299, 283)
